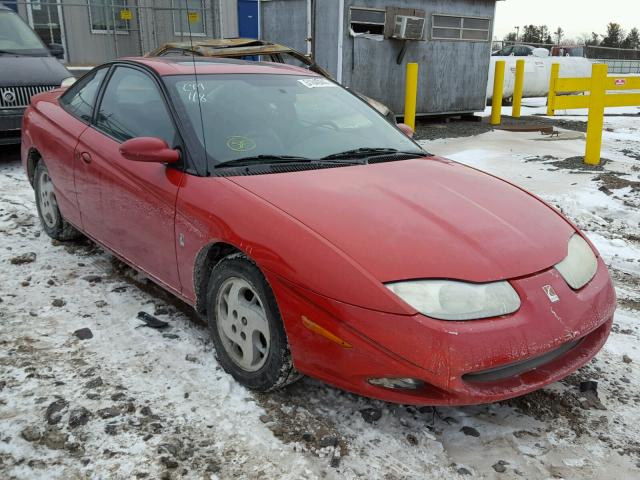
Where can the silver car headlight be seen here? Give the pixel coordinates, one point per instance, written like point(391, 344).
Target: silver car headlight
point(67, 82)
point(580, 264)
point(454, 300)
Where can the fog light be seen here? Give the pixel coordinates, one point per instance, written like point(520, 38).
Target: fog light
point(397, 383)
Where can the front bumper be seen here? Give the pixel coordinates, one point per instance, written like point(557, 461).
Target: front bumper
point(10, 125)
point(461, 363)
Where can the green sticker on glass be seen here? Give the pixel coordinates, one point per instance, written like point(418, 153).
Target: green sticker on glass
point(240, 144)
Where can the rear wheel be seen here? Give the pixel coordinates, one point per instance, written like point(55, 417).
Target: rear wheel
point(246, 327)
point(51, 219)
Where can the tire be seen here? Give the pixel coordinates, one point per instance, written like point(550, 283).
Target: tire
point(52, 221)
point(246, 327)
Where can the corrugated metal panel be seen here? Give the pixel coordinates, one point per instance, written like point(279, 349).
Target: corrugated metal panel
point(453, 74)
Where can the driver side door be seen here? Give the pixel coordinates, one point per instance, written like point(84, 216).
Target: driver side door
point(136, 200)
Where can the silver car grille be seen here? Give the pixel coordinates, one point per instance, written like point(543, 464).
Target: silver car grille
point(19, 97)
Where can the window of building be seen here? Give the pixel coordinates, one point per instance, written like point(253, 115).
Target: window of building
point(451, 27)
point(105, 16)
point(367, 20)
point(188, 17)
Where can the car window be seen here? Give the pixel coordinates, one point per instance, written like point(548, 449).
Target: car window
point(80, 99)
point(291, 60)
point(175, 52)
point(132, 106)
point(235, 116)
point(16, 36)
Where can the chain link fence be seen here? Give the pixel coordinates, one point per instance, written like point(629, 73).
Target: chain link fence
point(95, 31)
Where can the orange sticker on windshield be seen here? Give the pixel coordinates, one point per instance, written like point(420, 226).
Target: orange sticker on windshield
point(240, 144)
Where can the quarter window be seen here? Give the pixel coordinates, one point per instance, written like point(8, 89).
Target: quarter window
point(132, 106)
point(80, 99)
point(106, 17)
point(451, 27)
point(188, 17)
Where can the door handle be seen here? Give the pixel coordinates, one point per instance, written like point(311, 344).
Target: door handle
point(86, 157)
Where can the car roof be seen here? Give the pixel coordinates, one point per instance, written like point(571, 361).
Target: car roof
point(180, 65)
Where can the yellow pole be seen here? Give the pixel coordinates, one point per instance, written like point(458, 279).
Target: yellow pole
point(411, 95)
point(551, 99)
point(498, 90)
point(517, 92)
point(597, 101)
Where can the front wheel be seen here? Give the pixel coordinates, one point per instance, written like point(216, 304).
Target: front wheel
point(51, 219)
point(246, 327)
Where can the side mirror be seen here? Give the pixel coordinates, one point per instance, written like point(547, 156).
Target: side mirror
point(148, 149)
point(406, 129)
point(56, 50)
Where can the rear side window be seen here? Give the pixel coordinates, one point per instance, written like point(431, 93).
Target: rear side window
point(132, 106)
point(80, 99)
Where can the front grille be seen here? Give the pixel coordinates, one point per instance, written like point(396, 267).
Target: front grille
point(518, 368)
point(17, 97)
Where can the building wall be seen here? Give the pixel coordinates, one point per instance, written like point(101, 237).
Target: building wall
point(453, 74)
point(152, 24)
point(285, 22)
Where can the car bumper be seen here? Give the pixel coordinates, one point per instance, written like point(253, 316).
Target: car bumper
point(460, 363)
point(10, 125)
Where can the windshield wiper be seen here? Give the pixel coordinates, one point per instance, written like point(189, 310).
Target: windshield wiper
point(370, 152)
point(263, 159)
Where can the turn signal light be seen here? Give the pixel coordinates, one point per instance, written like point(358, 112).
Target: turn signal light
point(315, 328)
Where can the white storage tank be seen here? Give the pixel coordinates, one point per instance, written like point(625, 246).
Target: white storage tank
point(537, 73)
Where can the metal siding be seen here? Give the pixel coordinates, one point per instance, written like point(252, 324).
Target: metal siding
point(453, 74)
point(285, 21)
point(85, 47)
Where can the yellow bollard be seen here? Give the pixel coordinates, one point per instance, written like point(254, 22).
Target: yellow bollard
point(498, 90)
point(597, 101)
point(519, 87)
point(551, 99)
point(411, 95)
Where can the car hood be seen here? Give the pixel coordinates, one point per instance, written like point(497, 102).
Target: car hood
point(27, 71)
point(422, 218)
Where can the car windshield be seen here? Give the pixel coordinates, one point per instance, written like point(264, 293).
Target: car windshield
point(16, 37)
point(266, 115)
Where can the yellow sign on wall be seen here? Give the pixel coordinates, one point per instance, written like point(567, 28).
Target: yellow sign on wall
point(126, 14)
point(194, 17)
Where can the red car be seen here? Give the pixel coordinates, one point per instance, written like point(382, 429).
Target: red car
point(315, 237)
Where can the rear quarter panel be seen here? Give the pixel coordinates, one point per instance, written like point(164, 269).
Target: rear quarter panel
point(53, 133)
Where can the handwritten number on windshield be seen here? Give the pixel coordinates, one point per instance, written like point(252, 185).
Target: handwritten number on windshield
point(194, 90)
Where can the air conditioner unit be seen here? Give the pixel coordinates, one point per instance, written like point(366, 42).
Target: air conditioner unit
point(408, 27)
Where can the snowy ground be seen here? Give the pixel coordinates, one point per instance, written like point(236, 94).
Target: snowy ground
point(142, 403)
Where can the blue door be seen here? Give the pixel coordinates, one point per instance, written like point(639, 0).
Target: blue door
point(248, 18)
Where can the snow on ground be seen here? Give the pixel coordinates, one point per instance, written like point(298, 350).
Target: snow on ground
point(142, 403)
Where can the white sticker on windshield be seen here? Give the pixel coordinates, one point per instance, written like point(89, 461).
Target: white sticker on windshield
point(316, 82)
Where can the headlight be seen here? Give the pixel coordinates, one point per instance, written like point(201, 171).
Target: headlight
point(580, 265)
point(67, 82)
point(453, 300)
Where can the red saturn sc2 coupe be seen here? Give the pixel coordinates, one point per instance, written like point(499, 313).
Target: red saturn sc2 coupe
point(315, 237)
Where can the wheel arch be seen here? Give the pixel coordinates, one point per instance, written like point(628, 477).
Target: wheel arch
point(33, 158)
point(208, 257)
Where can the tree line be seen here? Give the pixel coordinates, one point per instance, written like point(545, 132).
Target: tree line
point(615, 37)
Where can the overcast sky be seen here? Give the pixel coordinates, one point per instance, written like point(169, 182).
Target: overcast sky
point(574, 16)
